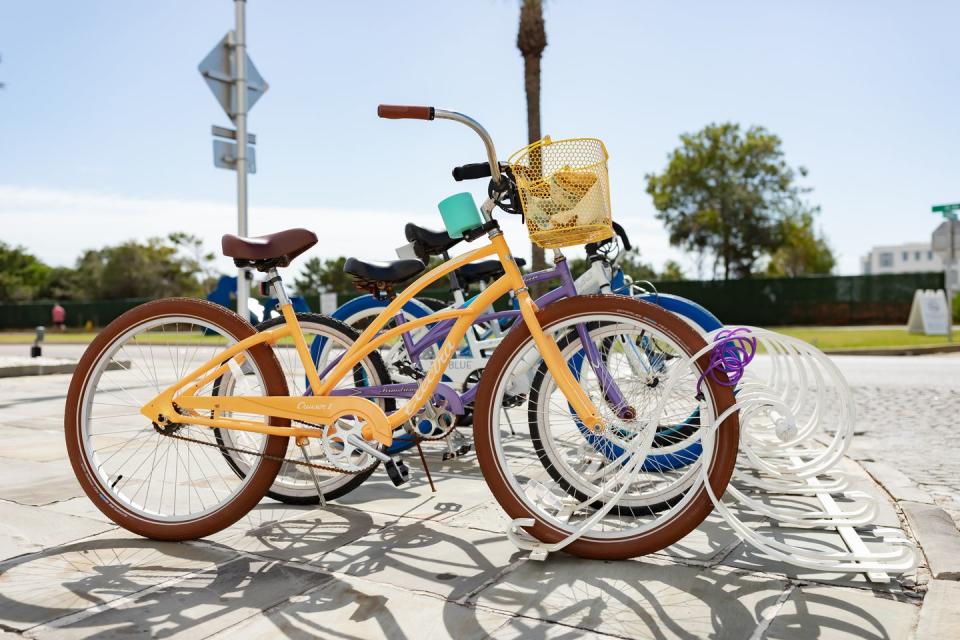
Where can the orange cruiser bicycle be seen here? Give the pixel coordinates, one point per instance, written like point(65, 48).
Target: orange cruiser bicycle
point(146, 410)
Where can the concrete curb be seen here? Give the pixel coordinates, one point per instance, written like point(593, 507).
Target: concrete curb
point(937, 536)
point(20, 370)
point(36, 370)
point(939, 615)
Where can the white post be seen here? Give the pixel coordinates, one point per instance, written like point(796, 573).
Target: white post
point(240, 62)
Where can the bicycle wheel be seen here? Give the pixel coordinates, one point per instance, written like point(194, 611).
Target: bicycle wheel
point(170, 482)
point(524, 488)
point(637, 366)
point(328, 339)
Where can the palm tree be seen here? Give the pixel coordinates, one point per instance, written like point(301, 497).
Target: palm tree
point(532, 40)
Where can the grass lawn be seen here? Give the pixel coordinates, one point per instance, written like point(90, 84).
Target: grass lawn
point(826, 338)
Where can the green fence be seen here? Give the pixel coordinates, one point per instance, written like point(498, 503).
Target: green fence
point(31, 314)
point(27, 315)
point(817, 300)
point(821, 300)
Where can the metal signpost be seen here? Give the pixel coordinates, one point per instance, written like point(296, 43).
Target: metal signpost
point(945, 242)
point(237, 85)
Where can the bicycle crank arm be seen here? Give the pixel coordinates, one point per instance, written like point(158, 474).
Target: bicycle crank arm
point(366, 447)
point(398, 471)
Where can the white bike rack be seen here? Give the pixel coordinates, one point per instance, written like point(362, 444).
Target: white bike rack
point(797, 418)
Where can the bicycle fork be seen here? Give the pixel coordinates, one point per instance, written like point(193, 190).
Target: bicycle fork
point(548, 348)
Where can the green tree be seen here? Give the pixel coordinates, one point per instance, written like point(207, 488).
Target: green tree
point(88, 273)
point(154, 269)
point(724, 193)
point(803, 250)
point(578, 266)
point(672, 271)
point(64, 283)
point(22, 275)
point(160, 267)
point(531, 41)
point(323, 274)
point(197, 257)
point(637, 269)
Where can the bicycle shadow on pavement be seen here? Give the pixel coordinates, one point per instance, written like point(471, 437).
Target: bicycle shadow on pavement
point(649, 599)
point(301, 571)
point(399, 579)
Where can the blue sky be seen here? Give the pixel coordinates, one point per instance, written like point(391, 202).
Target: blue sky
point(104, 124)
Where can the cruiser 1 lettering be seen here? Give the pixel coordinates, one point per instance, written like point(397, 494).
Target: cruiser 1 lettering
point(306, 406)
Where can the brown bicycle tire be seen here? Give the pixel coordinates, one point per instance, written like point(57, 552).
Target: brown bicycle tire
point(248, 496)
point(694, 511)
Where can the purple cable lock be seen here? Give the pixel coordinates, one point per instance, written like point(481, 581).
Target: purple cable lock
point(731, 354)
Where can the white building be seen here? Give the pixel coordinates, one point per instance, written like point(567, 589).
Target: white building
point(901, 258)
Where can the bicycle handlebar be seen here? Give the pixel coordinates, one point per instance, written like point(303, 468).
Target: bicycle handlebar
point(593, 248)
point(623, 236)
point(471, 171)
point(404, 112)
point(398, 112)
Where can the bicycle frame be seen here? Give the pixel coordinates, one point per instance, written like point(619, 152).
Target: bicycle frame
point(566, 289)
point(597, 279)
point(324, 408)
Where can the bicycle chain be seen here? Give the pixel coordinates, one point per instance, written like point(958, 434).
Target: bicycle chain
point(443, 435)
point(303, 463)
point(316, 465)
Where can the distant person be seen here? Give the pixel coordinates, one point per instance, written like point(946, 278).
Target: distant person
point(59, 316)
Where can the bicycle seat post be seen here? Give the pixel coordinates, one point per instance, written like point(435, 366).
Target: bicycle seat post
point(276, 283)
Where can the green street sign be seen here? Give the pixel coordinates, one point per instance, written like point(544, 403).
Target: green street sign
point(945, 208)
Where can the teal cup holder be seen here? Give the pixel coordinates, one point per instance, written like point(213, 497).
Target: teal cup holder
point(459, 213)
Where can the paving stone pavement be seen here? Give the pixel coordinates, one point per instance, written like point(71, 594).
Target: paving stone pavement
point(405, 563)
point(907, 414)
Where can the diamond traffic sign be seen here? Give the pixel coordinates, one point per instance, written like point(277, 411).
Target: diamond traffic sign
point(219, 70)
point(940, 243)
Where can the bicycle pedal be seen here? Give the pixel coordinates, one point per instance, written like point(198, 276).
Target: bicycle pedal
point(398, 471)
point(456, 453)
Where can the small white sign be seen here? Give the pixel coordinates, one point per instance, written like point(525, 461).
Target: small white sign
point(929, 313)
point(407, 252)
point(328, 303)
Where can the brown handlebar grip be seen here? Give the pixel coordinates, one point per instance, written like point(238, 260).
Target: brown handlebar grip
point(398, 112)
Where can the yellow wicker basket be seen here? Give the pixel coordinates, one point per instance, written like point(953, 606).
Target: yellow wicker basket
point(564, 191)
